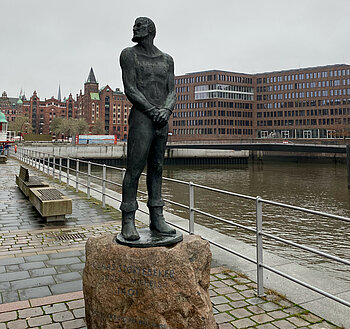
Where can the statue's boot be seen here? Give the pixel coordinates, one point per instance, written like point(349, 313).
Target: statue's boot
point(157, 221)
point(129, 231)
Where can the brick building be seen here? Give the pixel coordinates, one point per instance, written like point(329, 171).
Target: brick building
point(301, 103)
point(10, 106)
point(42, 112)
point(213, 105)
point(111, 107)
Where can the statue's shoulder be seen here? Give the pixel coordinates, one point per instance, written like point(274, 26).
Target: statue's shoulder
point(127, 55)
point(167, 57)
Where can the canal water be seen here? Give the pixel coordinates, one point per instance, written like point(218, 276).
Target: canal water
point(321, 187)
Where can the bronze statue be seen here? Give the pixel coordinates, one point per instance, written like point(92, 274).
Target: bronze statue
point(148, 77)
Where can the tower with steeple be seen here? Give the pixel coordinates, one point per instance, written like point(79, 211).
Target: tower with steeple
point(91, 84)
point(59, 92)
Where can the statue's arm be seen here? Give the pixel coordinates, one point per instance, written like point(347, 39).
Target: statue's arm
point(165, 112)
point(134, 95)
point(171, 98)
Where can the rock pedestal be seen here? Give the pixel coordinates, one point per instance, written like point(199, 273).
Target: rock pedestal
point(159, 287)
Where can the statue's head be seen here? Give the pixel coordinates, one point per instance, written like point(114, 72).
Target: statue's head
point(142, 28)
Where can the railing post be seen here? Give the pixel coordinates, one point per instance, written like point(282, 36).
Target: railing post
point(259, 248)
point(104, 186)
point(123, 174)
point(60, 171)
point(88, 180)
point(77, 176)
point(67, 181)
point(53, 166)
point(191, 196)
point(48, 163)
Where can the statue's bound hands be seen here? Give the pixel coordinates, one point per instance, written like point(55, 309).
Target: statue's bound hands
point(162, 117)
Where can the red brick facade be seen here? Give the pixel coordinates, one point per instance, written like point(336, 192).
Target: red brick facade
point(109, 106)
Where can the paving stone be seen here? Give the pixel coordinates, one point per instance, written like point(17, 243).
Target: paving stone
point(225, 290)
point(255, 309)
point(30, 312)
point(63, 261)
point(75, 253)
point(79, 313)
point(10, 296)
point(243, 323)
point(64, 277)
point(225, 326)
point(255, 301)
point(235, 296)
point(262, 318)
point(248, 293)
point(35, 292)
point(5, 277)
point(55, 308)
point(219, 300)
point(223, 307)
point(42, 272)
point(36, 258)
point(8, 316)
point(219, 284)
point(298, 321)
point(310, 317)
point(76, 304)
point(2, 326)
point(77, 267)
point(73, 324)
point(18, 324)
point(62, 316)
point(277, 314)
point(212, 293)
point(52, 326)
point(266, 326)
point(32, 282)
point(31, 265)
point(39, 320)
point(11, 261)
point(223, 317)
point(62, 288)
point(238, 304)
point(283, 324)
point(240, 313)
point(269, 306)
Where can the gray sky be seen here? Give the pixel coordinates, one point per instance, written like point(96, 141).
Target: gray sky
point(46, 41)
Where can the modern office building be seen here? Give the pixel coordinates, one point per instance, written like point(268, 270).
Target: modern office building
point(303, 103)
point(213, 105)
point(300, 103)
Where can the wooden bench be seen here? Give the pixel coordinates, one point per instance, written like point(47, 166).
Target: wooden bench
point(50, 203)
point(25, 182)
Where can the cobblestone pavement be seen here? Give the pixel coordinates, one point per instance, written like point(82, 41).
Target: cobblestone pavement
point(234, 303)
point(41, 270)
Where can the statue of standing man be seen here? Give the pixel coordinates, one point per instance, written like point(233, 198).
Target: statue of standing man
point(148, 77)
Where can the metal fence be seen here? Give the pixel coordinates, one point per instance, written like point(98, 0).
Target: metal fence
point(53, 165)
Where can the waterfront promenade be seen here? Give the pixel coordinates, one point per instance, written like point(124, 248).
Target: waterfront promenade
point(41, 269)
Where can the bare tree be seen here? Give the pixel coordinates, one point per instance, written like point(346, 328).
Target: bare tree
point(98, 128)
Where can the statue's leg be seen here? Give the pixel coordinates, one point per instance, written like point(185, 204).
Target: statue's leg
point(154, 182)
point(139, 142)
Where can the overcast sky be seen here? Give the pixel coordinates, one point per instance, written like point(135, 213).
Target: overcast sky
point(44, 42)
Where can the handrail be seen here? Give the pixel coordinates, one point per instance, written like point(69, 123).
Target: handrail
point(38, 159)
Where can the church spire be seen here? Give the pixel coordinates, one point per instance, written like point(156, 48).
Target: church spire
point(59, 92)
point(91, 77)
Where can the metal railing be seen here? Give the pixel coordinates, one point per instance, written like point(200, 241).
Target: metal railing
point(48, 162)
